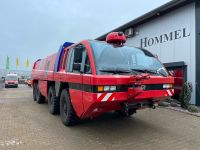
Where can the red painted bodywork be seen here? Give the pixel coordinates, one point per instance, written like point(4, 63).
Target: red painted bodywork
point(178, 75)
point(88, 104)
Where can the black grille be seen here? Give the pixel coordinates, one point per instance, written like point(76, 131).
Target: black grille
point(153, 87)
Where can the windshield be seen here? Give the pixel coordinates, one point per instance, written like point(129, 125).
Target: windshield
point(111, 59)
point(11, 78)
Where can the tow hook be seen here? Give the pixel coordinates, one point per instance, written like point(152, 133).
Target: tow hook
point(154, 106)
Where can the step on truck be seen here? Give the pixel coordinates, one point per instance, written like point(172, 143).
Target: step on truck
point(89, 78)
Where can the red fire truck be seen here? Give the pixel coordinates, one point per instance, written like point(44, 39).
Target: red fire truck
point(89, 78)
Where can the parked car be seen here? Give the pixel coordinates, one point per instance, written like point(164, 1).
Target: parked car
point(11, 80)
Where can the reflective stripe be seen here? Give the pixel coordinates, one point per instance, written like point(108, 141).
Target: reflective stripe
point(100, 96)
point(169, 93)
point(172, 91)
point(106, 97)
point(112, 97)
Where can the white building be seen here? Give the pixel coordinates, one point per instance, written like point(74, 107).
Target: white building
point(172, 32)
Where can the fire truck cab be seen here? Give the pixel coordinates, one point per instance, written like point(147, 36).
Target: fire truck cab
point(89, 78)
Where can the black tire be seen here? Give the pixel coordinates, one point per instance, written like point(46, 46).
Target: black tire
point(67, 113)
point(34, 91)
point(53, 101)
point(39, 97)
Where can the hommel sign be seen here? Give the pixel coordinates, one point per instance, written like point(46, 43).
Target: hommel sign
point(174, 35)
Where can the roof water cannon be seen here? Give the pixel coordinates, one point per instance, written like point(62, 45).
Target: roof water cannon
point(116, 38)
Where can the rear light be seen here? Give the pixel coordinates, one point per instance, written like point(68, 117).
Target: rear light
point(106, 88)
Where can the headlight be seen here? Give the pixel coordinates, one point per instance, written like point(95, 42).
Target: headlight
point(106, 88)
point(113, 88)
point(167, 86)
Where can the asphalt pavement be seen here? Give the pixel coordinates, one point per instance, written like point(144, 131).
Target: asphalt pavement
point(25, 125)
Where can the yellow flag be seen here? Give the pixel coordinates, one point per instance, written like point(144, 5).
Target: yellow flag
point(17, 62)
point(27, 63)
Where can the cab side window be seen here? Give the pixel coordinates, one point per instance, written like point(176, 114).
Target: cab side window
point(79, 51)
point(87, 68)
point(75, 59)
point(78, 60)
point(68, 65)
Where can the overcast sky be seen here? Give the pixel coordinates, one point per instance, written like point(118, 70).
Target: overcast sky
point(36, 28)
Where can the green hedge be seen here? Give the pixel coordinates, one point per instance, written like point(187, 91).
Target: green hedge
point(185, 95)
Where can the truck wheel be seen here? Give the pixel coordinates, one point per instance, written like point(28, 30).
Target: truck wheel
point(34, 91)
point(67, 113)
point(39, 97)
point(53, 102)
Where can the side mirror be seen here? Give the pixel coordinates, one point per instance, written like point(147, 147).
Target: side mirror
point(77, 66)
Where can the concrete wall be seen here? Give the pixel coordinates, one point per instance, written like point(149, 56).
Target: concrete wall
point(172, 38)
